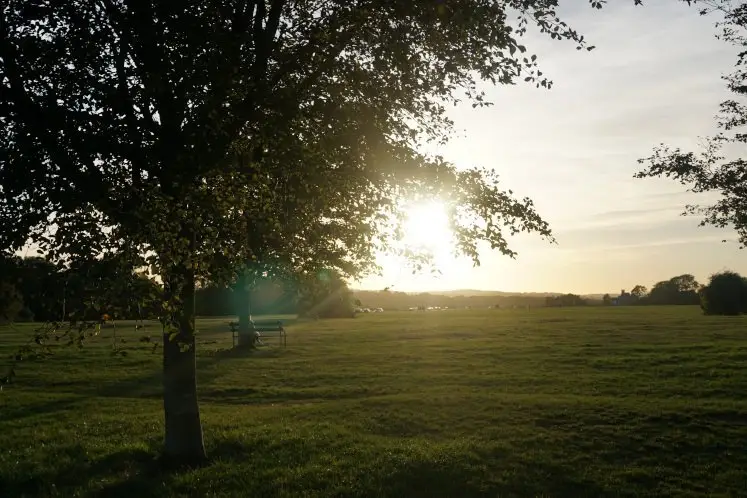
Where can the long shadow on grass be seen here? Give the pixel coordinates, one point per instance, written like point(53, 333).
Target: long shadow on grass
point(444, 475)
point(214, 356)
point(441, 475)
point(126, 473)
point(150, 384)
point(32, 409)
point(136, 470)
point(145, 386)
point(508, 475)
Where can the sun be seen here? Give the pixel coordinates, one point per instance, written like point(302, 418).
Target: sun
point(426, 227)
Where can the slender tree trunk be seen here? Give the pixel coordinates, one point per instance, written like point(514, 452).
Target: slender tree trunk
point(184, 442)
point(244, 311)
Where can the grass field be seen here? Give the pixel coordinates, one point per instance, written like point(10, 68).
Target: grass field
point(570, 402)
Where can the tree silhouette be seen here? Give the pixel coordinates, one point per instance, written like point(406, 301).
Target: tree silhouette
point(639, 291)
point(183, 134)
point(725, 294)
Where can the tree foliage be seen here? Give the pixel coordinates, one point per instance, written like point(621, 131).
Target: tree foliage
point(725, 294)
point(326, 295)
point(167, 118)
point(682, 289)
point(201, 137)
point(90, 288)
point(639, 291)
point(39, 282)
point(565, 300)
point(715, 168)
point(11, 302)
point(267, 297)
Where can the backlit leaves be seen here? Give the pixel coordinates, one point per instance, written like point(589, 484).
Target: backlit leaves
point(199, 138)
point(713, 169)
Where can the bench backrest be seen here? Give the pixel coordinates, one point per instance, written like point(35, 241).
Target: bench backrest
point(268, 326)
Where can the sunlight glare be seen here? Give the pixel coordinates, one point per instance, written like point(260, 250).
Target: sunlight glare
point(427, 227)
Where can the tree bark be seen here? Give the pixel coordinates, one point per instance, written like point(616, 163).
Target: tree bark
point(243, 311)
point(184, 441)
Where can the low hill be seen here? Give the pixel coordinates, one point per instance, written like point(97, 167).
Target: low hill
point(460, 298)
point(393, 300)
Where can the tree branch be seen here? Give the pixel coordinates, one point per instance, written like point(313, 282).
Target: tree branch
point(273, 20)
point(39, 122)
point(138, 161)
point(149, 51)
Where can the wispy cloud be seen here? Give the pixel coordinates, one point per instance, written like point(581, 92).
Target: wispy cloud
point(654, 77)
point(633, 214)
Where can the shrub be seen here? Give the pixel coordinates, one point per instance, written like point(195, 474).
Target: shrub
point(725, 294)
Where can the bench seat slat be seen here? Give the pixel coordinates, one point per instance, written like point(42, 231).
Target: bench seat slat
point(267, 328)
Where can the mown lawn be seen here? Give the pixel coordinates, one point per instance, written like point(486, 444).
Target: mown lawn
point(572, 402)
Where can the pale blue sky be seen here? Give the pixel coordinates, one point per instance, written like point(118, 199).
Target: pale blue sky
point(654, 77)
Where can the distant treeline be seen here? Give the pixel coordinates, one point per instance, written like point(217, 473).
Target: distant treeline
point(34, 289)
point(679, 290)
point(390, 300)
point(267, 298)
point(725, 294)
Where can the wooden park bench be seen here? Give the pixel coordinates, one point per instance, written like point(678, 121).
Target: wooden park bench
point(266, 328)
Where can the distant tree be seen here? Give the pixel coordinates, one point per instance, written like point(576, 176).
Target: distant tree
point(710, 170)
point(565, 300)
point(214, 300)
point(685, 283)
point(326, 295)
point(662, 292)
point(725, 294)
point(639, 291)
point(682, 289)
point(145, 297)
point(104, 284)
point(40, 282)
point(109, 285)
point(625, 298)
point(607, 300)
point(266, 297)
point(11, 302)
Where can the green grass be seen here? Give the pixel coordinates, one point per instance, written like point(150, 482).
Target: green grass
point(572, 402)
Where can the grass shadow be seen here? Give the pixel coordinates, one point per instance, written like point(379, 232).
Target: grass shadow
point(467, 478)
point(11, 413)
point(433, 479)
point(126, 473)
point(150, 385)
point(144, 475)
point(213, 356)
point(137, 470)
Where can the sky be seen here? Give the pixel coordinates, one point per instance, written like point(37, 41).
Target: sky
point(655, 76)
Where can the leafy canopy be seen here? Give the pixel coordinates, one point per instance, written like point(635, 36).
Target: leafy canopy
point(725, 294)
point(207, 134)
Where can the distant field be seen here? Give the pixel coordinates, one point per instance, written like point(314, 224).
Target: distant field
point(563, 402)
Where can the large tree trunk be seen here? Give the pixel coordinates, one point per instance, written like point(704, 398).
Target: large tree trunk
point(184, 442)
point(242, 295)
